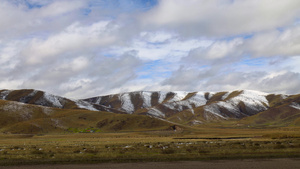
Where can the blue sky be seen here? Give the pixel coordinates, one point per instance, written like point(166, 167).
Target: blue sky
point(85, 48)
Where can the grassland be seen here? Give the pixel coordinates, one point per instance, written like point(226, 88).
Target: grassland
point(32, 134)
point(190, 144)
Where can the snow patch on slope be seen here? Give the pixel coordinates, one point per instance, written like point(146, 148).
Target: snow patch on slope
point(25, 98)
point(98, 100)
point(53, 100)
point(179, 95)
point(225, 95)
point(295, 105)
point(195, 122)
point(253, 100)
point(214, 110)
point(211, 94)
point(283, 96)
point(228, 106)
point(4, 94)
point(126, 103)
point(33, 93)
point(146, 96)
point(197, 100)
point(162, 96)
point(84, 105)
point(173, 106)
point(156, 112)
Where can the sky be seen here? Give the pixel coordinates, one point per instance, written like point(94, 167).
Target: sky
point(85, 48)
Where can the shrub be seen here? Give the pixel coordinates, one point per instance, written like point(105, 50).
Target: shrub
point(279, 146)
point(189, 150)
point(92, 151)
point(168, 151)
point(36, 152)
point(76, 151)
point(203, 151)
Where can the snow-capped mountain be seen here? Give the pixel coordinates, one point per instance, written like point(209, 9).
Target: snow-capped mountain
point(37, 97)
point(177, 106)
point(194, 107)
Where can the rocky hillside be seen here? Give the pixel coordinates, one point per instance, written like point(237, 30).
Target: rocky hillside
point(210, 105)
point(194, 108)
point(190, 108)
point(23, 118)
point(37, 97)
point(281, 113)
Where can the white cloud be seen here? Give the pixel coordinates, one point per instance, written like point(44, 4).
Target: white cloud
point(7, 55)
point(215, 17)
point(105, 76)
point(285, 82)
point(292, 63)
point(19, 20)
point(80, 77)
point(275, 43)
point(78, 64)
point(219, 50)
point(73, 39)
point(77, 49)
point(58, 8)
point(156, 37)
point(157, 45)
point(173, 50)
point(8, 83)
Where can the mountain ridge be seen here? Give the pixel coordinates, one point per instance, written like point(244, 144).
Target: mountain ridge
point(189, 108)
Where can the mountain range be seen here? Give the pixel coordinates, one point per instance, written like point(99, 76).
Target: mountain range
point(154, 109)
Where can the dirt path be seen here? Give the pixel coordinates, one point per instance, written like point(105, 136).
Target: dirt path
point(221, 164)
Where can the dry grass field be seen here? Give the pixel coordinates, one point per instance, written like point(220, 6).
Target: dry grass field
point(204, 143)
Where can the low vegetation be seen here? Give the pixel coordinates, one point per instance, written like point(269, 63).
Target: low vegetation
point(191, 144)
point(84, 130)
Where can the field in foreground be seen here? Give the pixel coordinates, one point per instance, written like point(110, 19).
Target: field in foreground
point(201, 144)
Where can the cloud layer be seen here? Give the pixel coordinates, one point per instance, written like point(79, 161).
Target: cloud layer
point(83, 48)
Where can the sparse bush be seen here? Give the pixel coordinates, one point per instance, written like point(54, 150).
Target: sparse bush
point(200, 151)
point(16, 147)
point(168, 151)
point(123, 151)
point(254, 148)
point(76, 151)
point(189, 150)
point(51, 154)
point(256, 144)
point(37, 152)
point(278, 136)
point(92, 151)
point(279, 146)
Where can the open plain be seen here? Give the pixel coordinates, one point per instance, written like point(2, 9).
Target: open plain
point(201, 144)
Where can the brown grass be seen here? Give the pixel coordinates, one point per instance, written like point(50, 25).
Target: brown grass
point(202, 144)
